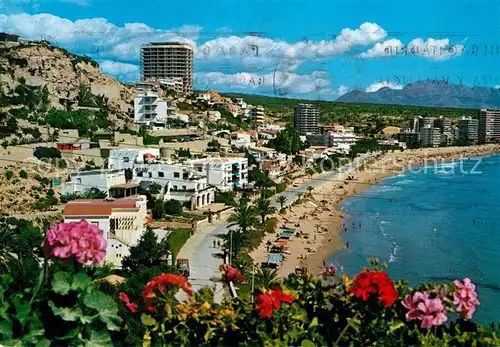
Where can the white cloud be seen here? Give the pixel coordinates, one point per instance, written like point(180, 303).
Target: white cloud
point(378, 85)
point(78, 2)
point(123, 71)
point(282, 83)
point(434, 49)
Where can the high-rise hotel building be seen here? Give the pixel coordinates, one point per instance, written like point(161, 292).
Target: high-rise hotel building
point(306, 119)
point(167, 61)
point(489, 126)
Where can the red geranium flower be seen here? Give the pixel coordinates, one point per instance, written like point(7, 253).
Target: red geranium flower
point(133, 307)
point(161, 283)
point(271, 300)
point(369, 282)
point(232, 273)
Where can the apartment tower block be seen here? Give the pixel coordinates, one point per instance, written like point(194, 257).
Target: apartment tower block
point(166, 61)
point(306, 119)
point(489, 126)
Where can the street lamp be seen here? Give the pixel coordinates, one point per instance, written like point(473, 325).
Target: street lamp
point(253, 280)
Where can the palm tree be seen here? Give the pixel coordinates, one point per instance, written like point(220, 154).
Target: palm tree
point(264, 208)
point(310, 189)
point(266, 278)
point(235, 241)
point(299, 196)
point(244, 216)
point(281, 199)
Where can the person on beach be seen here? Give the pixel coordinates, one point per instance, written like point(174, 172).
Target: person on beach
point(347, 244)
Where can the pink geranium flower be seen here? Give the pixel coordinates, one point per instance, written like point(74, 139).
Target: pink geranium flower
point(329, 271)
point(81, 239)
point(465, 298)
point(421, 306)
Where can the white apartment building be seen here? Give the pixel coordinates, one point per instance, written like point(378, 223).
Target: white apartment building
point(430, 136)
point(125, 158)
point(179, 182)
point(122, 221)
point(112, 182)
point(259, 114)
point(243, 139)
point(150, 110)
point(223, 173)
point(342, 139)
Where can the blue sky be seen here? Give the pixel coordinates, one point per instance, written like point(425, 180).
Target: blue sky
point(307, 49)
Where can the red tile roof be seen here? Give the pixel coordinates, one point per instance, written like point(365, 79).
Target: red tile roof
point(94, 207)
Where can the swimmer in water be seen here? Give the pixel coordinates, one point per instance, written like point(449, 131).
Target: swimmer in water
point(360, 225)
point(347, 245)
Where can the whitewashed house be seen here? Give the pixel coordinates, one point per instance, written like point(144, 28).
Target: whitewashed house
point(223, 173)
point(122, 221)
point(112, 182)
point(125, 158)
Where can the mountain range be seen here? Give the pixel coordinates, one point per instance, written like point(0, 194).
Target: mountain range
point(430, 93)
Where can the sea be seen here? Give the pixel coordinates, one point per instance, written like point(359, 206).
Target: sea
point(437, 222)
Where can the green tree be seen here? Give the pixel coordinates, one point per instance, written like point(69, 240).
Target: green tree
point(281, 200)
point(173, 207)
point(236, 241)
point(310, 189)
point(287, 141)
point(263, 207)
point(266, 278)
point(244, 216)
point(94, 193)
point(158, 209)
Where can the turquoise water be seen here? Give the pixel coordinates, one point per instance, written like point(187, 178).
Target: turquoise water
point(438, 222)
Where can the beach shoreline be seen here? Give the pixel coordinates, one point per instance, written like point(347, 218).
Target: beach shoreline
point(318, 215)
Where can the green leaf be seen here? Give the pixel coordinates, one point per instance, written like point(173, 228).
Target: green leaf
point(12, 343)
point(61, 283)
point(22, 310)
point(396, 326)
point(106, 308)
point(147, 320)
point(43, 343)
point(37, 287)
point(81, 282)
point(98, 339)
point(314, 323)
point(70, 314)
point(307, 343)
point(6, 328)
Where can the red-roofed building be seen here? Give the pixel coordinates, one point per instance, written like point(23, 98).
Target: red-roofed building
point(122, 220)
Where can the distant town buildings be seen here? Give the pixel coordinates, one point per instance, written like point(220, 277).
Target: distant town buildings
point(122, 221)
point(168, 61)
point(306, 119)
point(468, 130)
point(489, 126)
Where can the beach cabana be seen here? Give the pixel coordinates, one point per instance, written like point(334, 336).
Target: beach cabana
point(282, 243)
point(275, 258)
point(286, 235)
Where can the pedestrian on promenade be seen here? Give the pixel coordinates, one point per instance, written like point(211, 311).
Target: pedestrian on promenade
point(214, 243)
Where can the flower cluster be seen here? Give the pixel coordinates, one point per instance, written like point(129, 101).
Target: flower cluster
point(133, 307)
point(329, 271)
point(81, 239)
point(161, 284)
point(268, 301)
point(368, 283)
point(231, 273)
point(465, 298)
point(426, 307)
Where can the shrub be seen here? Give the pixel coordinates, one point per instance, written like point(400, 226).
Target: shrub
point(9, 174)
point(23, 174)
point(173, 207)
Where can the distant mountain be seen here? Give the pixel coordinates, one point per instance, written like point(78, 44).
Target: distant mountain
point(430, 93)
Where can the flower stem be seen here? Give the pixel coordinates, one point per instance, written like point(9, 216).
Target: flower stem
point(342, 333)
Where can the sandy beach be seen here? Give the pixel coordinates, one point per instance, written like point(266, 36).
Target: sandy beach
point(318, 217)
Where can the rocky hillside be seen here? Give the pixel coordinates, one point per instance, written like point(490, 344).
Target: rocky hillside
point(57, 78)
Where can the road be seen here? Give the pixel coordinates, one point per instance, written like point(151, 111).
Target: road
point(203, 259)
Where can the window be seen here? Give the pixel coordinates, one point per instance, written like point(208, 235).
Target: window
point(161, 174)
point(175, 187)
point(177, 175)
point(243, 166)
point(148, 116)
point(185, 175)
point(184, 188)
point(139, 174)
point(150, 174)
point(79, 180)
point(126, 159)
